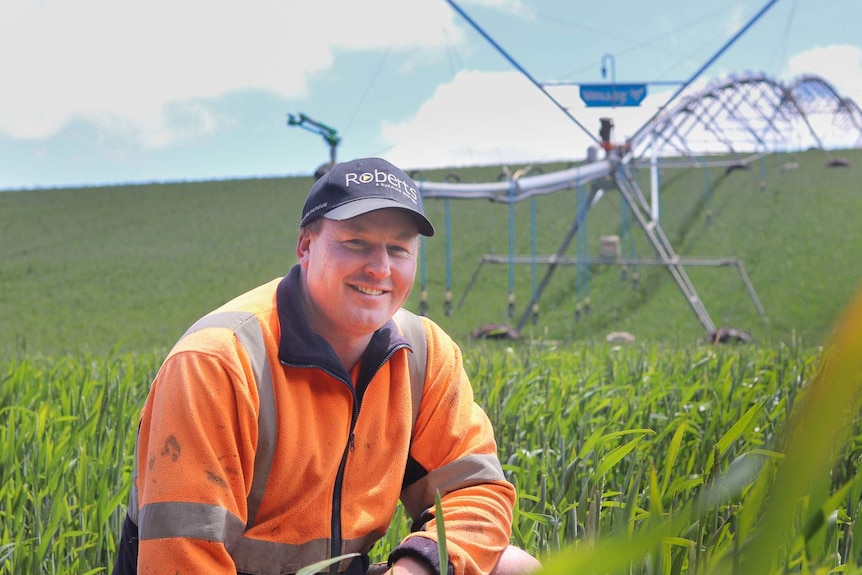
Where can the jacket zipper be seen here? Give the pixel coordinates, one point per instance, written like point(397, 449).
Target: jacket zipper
point(335, 526)
point(335, 521)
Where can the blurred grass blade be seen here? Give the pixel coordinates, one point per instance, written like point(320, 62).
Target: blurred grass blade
point(820, 423)
point(321, 565)
point(442, 554)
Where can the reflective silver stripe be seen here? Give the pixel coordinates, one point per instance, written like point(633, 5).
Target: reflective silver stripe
point(247, 329)
point(260, 556)
point(213, 523)
point(417, 362)
point(191, 520)
point(464, 472)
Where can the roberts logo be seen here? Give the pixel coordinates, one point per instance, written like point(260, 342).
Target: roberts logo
point(385, 179)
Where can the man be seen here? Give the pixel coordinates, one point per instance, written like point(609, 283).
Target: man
point(281, 430)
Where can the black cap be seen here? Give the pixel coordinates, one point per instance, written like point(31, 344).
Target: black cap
point(353, 188)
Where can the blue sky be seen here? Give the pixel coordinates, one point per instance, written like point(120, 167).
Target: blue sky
point(100, 91)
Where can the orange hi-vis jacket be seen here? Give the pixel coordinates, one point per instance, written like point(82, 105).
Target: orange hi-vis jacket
point(263, 454)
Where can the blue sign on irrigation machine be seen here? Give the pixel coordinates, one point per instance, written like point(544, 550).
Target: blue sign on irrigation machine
point(607, 95)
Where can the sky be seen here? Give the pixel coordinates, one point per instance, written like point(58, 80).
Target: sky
point(98, 92)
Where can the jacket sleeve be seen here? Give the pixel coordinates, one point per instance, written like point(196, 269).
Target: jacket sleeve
point(195, 454)
point(454, 452)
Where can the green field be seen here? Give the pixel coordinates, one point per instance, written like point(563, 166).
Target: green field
point(665, 456)
point(129, 268)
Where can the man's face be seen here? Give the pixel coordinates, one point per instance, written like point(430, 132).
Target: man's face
point(358, 272)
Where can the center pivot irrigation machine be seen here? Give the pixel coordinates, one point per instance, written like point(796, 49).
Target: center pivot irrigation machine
point(754, 109)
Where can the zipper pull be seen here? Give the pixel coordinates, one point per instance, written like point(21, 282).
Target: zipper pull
point(351, 443)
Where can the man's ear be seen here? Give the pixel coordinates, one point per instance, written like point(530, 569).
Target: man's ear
point(303, 243)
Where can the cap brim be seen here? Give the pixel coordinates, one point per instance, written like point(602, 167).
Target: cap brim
point(365, 205)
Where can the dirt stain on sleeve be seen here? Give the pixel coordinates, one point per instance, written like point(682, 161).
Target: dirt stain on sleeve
point(171, 448)
point(217, 479)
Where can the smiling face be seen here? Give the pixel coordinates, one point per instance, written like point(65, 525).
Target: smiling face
point(357, 272)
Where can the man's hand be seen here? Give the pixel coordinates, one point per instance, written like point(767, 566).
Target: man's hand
point(409, 566)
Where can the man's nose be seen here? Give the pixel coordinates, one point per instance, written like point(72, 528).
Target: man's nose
point(378, 261)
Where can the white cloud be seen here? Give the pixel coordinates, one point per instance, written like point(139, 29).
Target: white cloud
point(124, 63)
point(479, 118)
point(840, 65)
point(736, 20)
point(514, 7)
point(490, 118)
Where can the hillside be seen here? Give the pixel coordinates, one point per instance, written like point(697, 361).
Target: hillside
point(129, 267)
